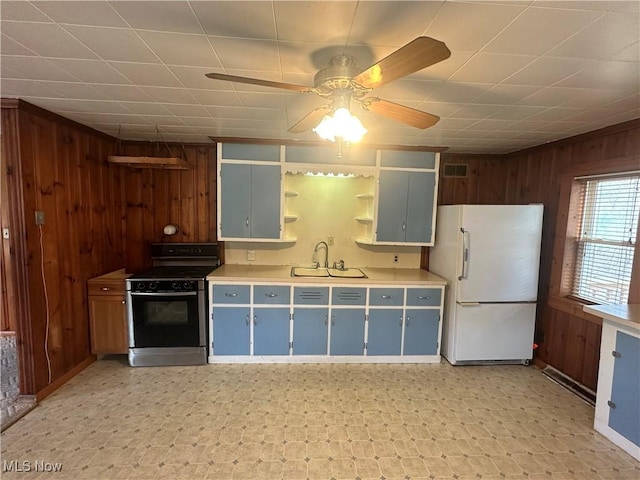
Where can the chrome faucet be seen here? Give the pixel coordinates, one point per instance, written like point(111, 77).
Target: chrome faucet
point(326, 254)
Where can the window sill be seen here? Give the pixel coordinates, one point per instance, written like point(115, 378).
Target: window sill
point(573, 306)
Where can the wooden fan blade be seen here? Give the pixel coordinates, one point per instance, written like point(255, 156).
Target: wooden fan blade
point(256, 81)
point(400, 113)
point(414, 56)
point(311, 119)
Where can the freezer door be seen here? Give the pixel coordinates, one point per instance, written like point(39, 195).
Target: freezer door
point(494, 331)
point(499, 253)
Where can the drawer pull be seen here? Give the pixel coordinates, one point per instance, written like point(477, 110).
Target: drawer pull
point(255, 320)
point(611, 404)
point(247, 321)
point(386, 297)
point(407, 321)
point(271, 295)
point(105, 289)
point(424, 297)
point(616, 354)
point(230, 294)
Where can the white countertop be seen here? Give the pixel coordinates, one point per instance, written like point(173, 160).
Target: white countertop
point(623, 314)
point(278, 273)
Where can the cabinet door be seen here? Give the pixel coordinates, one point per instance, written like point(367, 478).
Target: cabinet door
point(108, 324)
point(310, 331)
point(271, 331)
point(347, 331)
point(421, 332)
point(235, 200)
point(264, 221)
point(392, 206)
point(420, 207)
point(230, 330)
point(385, 331)
point(624, 414)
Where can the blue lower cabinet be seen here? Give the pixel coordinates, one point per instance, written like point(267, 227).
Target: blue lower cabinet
point(271, 331)
point(310, 329)
point(624, 413)
point(421, 332)
point(231, 330)
point(347, 331)
point(385, 331)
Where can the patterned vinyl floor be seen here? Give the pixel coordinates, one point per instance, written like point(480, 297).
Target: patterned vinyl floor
point(312, 422)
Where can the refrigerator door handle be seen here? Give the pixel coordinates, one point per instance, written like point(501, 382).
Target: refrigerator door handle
point(465, 253)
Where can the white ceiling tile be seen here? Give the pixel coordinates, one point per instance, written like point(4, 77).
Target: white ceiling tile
point(407, 90)
point(505, 94)
point(113, 43)
point(245, 54)
point(90, 71)
point(550, 96)
point(554, 114)
point(89, 118)
point(34, 68)
point(158, 120)
point(266, 100)
point(165, 16)
point(491, 67)
point(592, 97)
point(327, 22)
point(124, 93)
point(182, 49)
point(147, 74)
point(622, 75)
point(228, 19)
point(602, 39)
point(217, 97)
point(392, 23)
point(524, 35)
point(25, 88)
point(87, 106)
point(145, 108)
point(23, 11)
point(11, 47)
point(170, 95)
point(81, 13)
point(476, 111)
point(247, 113)
point(443, 70)
point(547, 71)
point(188, 110)
point(201, 122)
point(468, 26)
point(441, 109)
point(457, 92)
point(52, 40)
point(310, 57)
point(517, 112)
point(628, 54)
point(195, 77)
point(598, 6)
point(75, 90)
point(629, 102)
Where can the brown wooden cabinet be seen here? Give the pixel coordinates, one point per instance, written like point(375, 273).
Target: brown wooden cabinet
point(108, 313)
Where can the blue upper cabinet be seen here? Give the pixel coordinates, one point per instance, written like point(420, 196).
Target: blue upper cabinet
point(250, 205)
point(406, 203)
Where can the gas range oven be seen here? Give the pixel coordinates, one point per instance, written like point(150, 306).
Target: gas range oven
point(167, 305)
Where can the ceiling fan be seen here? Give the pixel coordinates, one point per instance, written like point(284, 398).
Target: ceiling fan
point(342, 82)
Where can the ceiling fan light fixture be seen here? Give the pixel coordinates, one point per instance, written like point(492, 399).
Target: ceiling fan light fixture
point(342, 124)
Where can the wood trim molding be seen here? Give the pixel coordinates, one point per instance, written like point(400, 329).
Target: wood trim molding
point(53, 386)
point(572, 307)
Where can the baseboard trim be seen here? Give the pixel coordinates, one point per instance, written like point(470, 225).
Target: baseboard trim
point(53, 386)
point(586, 394)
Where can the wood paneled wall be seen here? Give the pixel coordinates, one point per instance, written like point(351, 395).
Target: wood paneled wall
point(569, 340)
point(154, 198)
point(60, 168)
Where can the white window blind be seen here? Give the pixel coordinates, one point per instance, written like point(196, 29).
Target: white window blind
point(606, 239)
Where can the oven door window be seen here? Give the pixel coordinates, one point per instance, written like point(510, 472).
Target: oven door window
point(166, 321)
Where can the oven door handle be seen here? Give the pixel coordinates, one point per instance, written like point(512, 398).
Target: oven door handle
point(164, 294)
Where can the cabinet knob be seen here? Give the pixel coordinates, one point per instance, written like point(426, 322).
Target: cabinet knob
point(247, 222)
point(230, 294)
point(616, 354)
point(386, 297)
point(123, 302)
point(424, 297)
point(407, 324)
point(611, 404)
point(105, 289)
point(271, 295)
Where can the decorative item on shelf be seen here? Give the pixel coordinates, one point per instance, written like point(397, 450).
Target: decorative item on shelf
point(170, 229)
point(155, 161)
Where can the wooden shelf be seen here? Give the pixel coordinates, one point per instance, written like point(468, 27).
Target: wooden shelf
point(167, 163)
point(364, 241)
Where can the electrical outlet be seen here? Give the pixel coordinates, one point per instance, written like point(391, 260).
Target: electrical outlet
point(39, 217)
point(330, 240)
point(251, 255)
point(395, 258)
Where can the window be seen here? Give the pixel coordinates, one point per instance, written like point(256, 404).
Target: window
point(606, 237)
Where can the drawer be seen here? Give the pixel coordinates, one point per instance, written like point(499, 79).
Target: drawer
point(428, 297)
point(106, 287)
point(386, 296)
point(311, 295)
point(273, 295)
point(231, 293)
point(348, 296)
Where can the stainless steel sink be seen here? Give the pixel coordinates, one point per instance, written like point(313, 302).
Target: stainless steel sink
point(347, 273)
point(309, 272)
point(327, 272)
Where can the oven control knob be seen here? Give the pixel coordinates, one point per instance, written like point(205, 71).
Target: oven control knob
point(153, 286)
point(187, 285)
point(176, 285)
point(140, 286)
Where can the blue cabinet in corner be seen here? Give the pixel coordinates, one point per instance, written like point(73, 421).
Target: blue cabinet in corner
point(624, 414)
point(250, 203)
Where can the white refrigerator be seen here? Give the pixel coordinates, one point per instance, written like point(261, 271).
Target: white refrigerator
point(490, 256)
